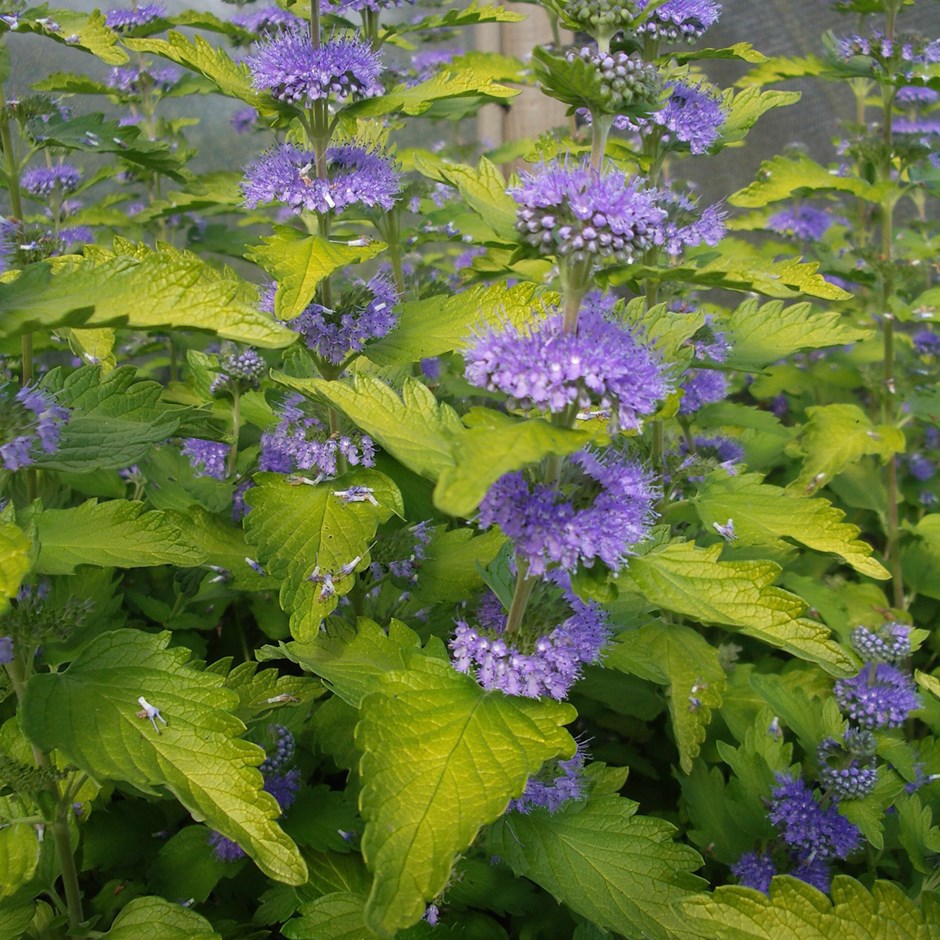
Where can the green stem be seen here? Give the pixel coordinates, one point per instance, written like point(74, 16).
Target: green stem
point(236, 429)
point(520, 598)
point(600, 128)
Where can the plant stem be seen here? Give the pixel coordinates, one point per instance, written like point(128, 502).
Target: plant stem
point(236, 428)
point(520, 598)
point(600, 128)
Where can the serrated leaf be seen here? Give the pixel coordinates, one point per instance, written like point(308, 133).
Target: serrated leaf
point(117, 533)
point(759, 334)
point(869, 813)
point(337, 916)
point(740, 50)
point(212, 62)
point(159, 919)
point(441, 758)
point(920, 557)
point(677, 657)
point(92, 31)
point(15, 920)
point(785, 177)
point(296, 529)
point(19, 848)
point(483, 189)
point(261, 690)
point(765, 515)
point(691, 581)
point(14, 561)
point(796, 911)
point(441, 324)
point(414, 428)
point(299, 262)
point(142, 289)
point(744, 110)
point(94, 133)
point(463, 16)
point(351, 661)
point(482, 455)
point(88, 713)
point(838, 435)
point(114, 421)
point(452, 566)
point(619, 870)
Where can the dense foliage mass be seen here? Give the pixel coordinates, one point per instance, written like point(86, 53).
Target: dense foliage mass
point(369, 514)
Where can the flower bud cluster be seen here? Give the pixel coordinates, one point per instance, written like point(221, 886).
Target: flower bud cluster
point(601, 16)
point(625, 80)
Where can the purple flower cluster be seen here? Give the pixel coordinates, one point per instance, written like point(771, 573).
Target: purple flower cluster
point(921, 467)
point(705, 386)
point(289, 66)
point(676, 20)
point(848, 769)
point(6, 650)
point(282, 783)
point(300, 442)
point(687, 225)
point(926, 343)
point(354, 176)
point(576, 212)
point(242, 368)
point(804, 222)
point(754, 870)
point(136, 79)
point(726, 452)
point(602, 366)
point(207, 458)
point(30, 421)
point(539, 659)
point(343, 7)
point(267, 20)
point(555, 785)
point(880, 696)
point(607, 509)
point(142, 15)
point(692, 117)
point(889, 644)
point(363, 312)
point(57, 180)
point(401, 555)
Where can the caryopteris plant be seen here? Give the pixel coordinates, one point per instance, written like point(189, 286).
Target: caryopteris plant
point(403, 535)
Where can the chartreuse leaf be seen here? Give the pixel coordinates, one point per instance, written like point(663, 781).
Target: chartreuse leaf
point(141, 288)
point(763, 333)
point(19, 848)
point(463, 16)
point(441, 758)
point(337, 916)
point(92, 31)
point(796, 911)
point(352, 661)
point(158, 919)
point(299, 262)
point(740, 50)
point(677, 657)
point(302, 530)
point(838, 435)
point(483, 454)
point(691, 581)
point(88, 713)
point(621, 871)
point(437, 325)
point(784, 177)
point(453, 564)
point(483, 189)
point(14, 561)
point(15, 920)
point(230, 77)
point(746, 107)
point(117, 533)
point(414, 427)
point(114, 419)
point(920, 557)
point(764, 515)
point(261, 691)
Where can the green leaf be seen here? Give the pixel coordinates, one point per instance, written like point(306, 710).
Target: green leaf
point(337, 916)
point(463, 16)
point(415, 428)
point(94, 133)
point(838, 435)
point(620, 871)
point(691, 581)
point(299, 262)
point(92, 31)
point(114, 419)
point(19, 848)
point(142, 289)
point(740, 50)
point(453, 563)
point(297, 529)
point(441, 758)
point(89, 713)
point(796, 911)
point(482, 455)
point(677, 657)
point(416, 99)
point(765, 515)
point(441, 324)
point(760, 334)
point(117, 533)
point(158, 919)
point(212, 62)
point(262, 690)
point(785, 177)
point(745, 109)
point(15, 919)
point(352, 661)
point(920, 557)
point(14, 561)
point(482, 188)
point(187, 867)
